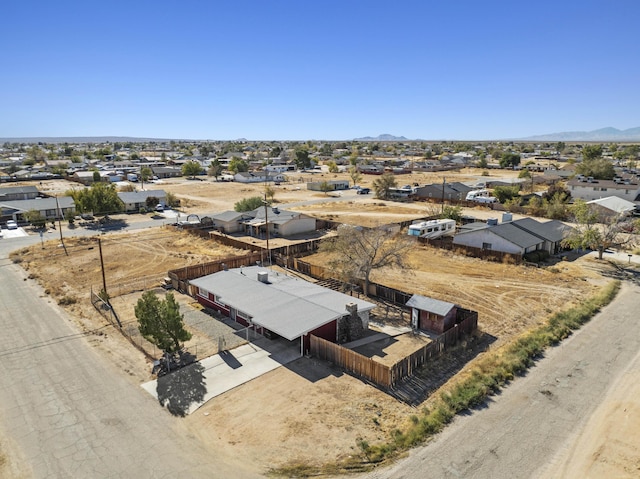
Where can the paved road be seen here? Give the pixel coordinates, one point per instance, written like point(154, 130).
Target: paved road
point(67, 413)
point(538, 416)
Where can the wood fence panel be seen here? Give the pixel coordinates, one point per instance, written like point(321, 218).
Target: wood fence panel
point(351, 361)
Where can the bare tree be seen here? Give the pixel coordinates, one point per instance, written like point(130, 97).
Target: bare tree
point(357, 251)
point(597, 231)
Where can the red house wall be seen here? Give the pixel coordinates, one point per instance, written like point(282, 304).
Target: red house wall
point(329, 332)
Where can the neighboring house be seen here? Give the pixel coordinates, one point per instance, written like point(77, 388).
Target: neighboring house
point(612, 206)
point(280, 168)
point(230, 221)
point(257, 177)
point(12, 193)
point(84, 177)
point(254, 223)
point(275, 304)
point(451, 191)
point(334, 185)
point(49, 208)
point(590, 189)
point(280, 222)
point(505, 238)
point(432, 314)
point(166, 172)
point(552, 232)
point(135, 200)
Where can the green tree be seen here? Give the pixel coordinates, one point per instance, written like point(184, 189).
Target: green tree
point(191, 169)
point(591, 152)
point(100, 198)
point(270, 192)
point(482, 162)
point(302, 159)
point(560, 146)
point(383, 185)
point(160, 321)
point(215, 169)
point(355, 175)
point(333, 167)
point(146, 174)
point(509, 160)
point(356, 252)
point(237, 165)
point(248, 204)
point(325, 187)
point(504, 193)
point(452, 212)
point(151, 202)
point(172, 200)
point(599, 168)
point(96, 177)
point(35, 218)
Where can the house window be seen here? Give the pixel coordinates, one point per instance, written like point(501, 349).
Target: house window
point(242, 315)
point(486, 245)
point(218, 300)
point(603, 189)
point(49, 213)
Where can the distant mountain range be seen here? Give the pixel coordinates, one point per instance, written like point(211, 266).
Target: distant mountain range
point(603, 134)
point(383, 137)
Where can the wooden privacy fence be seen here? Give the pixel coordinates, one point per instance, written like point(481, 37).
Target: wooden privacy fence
point(351, 361)
point(385, 376)
point(407, 366)
point(180, 277)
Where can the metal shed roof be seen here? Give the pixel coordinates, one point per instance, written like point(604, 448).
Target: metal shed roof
point(288, 306)
point(432, 305)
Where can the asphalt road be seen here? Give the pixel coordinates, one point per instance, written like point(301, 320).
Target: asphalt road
point(536, 417)
point(66, 412)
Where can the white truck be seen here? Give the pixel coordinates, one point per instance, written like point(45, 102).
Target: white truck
point(132, 177)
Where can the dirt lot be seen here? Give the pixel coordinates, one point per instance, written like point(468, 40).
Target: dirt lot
point(315, 413)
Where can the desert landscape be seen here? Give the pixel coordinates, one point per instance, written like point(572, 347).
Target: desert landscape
point(509, 298)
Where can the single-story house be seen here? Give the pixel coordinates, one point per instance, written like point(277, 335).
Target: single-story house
point(230, 221)
point(552, 232)
point(450, 191)
point(432, 314)
point(612, 206)
point(166, 172)
point(12, 193)
point(280, 222)
point(84, 177)
point(134, 200)
point(257, 177)
point(49, 208)
point(505, 238)
point(276, 304)
point(334, 185)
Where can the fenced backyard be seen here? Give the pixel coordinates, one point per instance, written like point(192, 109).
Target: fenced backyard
point(387, 377)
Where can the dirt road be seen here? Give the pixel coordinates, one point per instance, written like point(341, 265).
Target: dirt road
point(520, 431)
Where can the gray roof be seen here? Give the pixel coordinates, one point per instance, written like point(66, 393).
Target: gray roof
point(39, 204)
point(288, 306)
point(515, 235)
point(140, 196)
point(11, 190)
point(553, 231)
point(230, 216)
point(436, 306)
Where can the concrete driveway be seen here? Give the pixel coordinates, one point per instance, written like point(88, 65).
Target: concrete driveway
point(184, 391)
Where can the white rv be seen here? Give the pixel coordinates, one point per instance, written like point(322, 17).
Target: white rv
point(433, 229)
point(481, 196)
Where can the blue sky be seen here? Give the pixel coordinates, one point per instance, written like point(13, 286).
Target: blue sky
point(297, 70)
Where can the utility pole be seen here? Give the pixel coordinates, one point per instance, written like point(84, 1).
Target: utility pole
point(266, 225)
point(104, 280)
point(60, 227)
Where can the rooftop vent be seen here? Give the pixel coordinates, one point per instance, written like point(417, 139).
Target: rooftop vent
point(263, 277)
point(492, 221)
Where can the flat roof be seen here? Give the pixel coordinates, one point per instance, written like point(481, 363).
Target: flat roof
point(288, 306)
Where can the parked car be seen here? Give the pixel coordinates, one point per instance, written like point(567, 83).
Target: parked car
point(12, 225)
point(159, 207)
point(363, 191)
